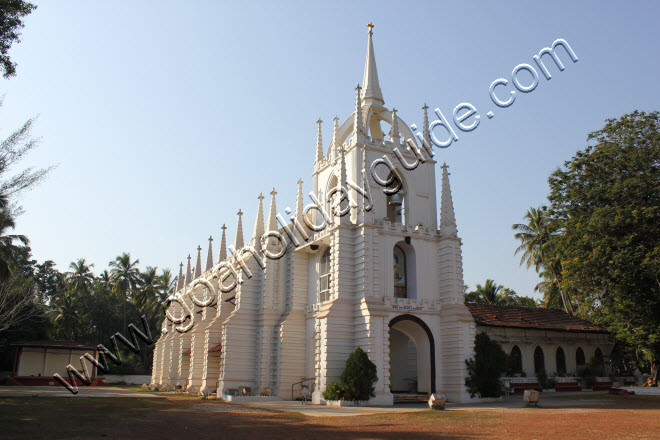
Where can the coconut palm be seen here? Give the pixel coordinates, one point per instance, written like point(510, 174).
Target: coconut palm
point(65, 308)
point(166, 285)
point(80, 276)
point(9, 250)
point(536, 245)
point(489, 293)
point(125, 276)
point(147, 298)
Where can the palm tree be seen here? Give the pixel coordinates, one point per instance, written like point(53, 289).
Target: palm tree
point(80, 277)
point(66, 314)
point(9, 251)
point(125, 276)
point(489, 293)
point(147, 300)
point(536, 245)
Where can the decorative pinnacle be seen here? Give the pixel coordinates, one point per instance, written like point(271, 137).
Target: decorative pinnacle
point(358, 88)
point(445, 167)
point(299, 182)
point(319, 121)
point(273, 192)
point(239, 213)
point(426, 107)
point(261, 196)
point(371, 27)
point(199, 248)
point(223, 227)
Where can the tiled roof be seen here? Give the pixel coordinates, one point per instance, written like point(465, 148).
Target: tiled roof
point(55, 344)
point(531, 318)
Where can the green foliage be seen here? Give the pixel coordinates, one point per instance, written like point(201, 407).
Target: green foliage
point(485, 370)
point(359, 377)
point(333, 391)
point(495, 294)
point(545, 382)
point(539, 249)
point(12, 13)
point(77, 305)
point(605, 202)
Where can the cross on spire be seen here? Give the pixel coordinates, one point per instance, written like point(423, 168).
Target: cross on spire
point(371, 27)
point(273, 192)
point(261, 196)
point(239, 213)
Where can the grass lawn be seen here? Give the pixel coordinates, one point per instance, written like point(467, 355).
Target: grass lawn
point(182, 416)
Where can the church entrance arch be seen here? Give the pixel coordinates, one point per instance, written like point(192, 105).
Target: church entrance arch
point(412, 355)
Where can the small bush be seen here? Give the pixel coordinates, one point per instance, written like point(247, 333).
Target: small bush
point(357, 380)
point(359, 376)
point(333, 391)
point(485, 369)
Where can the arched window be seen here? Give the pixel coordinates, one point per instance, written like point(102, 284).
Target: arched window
point(396, 203)
point(539, 360)
point(515, 360)
point(325, 276)
point(400, 284)
point(560, 361)
point(599, 355)
point(579, 357)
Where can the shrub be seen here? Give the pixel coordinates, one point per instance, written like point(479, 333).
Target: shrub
point(333, 391)
point(359, 377)
point(485, 369)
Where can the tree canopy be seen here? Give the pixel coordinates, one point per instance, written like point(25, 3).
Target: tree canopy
point(12, 13)
point(605, 203)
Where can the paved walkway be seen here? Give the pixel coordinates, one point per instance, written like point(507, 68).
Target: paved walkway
point(548, 400)
point(60, 391)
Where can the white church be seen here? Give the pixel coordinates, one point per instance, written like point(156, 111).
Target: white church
point(363, 263)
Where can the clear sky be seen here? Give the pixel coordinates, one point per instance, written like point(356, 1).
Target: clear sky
point(165, 118)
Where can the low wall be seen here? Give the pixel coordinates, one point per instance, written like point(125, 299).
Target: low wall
point(130, 379)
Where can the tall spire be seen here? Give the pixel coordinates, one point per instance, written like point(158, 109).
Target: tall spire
point(395, 136)
point(222, 254)
point(198, 264)
point(258, 231)
point(335, 129)
point(272, 212)
point(358, 127)
point(272, 217)
point(179, 281)
point(188, 272)
point(238, 241)
point(319, 142)
point(299, 202)
point(370, 83)
point(447, 219)
point(426, 131)
point(209, 255)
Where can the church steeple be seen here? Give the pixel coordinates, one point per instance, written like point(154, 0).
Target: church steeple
point(209, 255)
point(222, 254)
point(258, 224)
point(179, 282)
point(198, 264)
point(371, 88)
point(447, 219)
point(238, 241)
point(188, 272)
point(319, 142)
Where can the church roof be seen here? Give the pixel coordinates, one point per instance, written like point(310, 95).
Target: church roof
point(531, 318)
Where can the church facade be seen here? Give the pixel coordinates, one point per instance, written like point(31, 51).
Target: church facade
point(365, 263)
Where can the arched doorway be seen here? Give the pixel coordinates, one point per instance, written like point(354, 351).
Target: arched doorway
point(412, 355)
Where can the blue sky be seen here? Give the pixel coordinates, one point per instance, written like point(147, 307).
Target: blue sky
point(165, 118)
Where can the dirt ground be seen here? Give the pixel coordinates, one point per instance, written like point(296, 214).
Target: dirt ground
point(183, 417)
